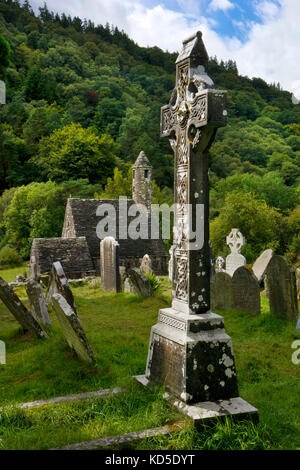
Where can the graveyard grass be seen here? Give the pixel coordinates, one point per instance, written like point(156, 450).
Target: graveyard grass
point(118, 329)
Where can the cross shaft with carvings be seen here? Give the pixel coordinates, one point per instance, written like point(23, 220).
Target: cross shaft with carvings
point(190, 121)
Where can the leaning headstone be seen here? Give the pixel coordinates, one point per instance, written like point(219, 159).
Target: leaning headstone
point(282, 288)
point(146, 265)
point(221, 291)
point(20, 312)
point(58, 284)
point(246, 291)
point(72, 329)
point(123, 274)
point(235, 240)
point(141, 284)
point(2, 92)
point(220, 265)
point(109, 264)
point(37, 302)
point(260, 266)
point(129, 287)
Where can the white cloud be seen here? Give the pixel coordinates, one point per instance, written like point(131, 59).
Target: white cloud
point(267, 10)
point(223, 5)
point(272, 49)
point(270, 52)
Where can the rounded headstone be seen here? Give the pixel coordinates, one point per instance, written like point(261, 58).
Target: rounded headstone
point(246, 291)
point(221, 291)
point(282, 288)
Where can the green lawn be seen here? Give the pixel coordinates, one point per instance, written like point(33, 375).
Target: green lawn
point(118, 328)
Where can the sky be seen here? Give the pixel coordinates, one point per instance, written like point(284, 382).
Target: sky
point(262, 36)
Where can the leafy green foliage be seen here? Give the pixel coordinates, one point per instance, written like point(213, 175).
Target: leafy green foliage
point(84, 100)
point(9, 257)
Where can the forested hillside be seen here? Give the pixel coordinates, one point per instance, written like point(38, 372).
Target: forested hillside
point(84, 99)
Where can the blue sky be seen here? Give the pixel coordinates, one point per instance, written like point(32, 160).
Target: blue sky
point(263, 36)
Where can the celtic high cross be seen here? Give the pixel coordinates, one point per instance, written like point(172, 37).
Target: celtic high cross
point(190, 120)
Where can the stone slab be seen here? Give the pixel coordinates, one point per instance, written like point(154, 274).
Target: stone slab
point(75, 397)
point(19, 311)
point(58, 284)
point(260, 266)
point(298, 325)
point(72, 329)
point(140, 282)
point(37, 302)
point(125, 438)
point(204, 411)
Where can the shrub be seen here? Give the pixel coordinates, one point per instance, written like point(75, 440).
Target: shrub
point(9, 257)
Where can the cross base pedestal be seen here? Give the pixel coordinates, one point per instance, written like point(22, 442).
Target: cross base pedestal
point(192, 356)
point(236, 408)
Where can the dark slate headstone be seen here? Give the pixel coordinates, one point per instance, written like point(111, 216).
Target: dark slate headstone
point(109, 263)
point(221, 291)
point(246, 291)
point(72, 329)
point(140, 282)
point(282, 288)
point(58, 283)
point(37, 302)
point(20, 312)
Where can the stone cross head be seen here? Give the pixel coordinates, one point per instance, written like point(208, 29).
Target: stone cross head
point(235, 240)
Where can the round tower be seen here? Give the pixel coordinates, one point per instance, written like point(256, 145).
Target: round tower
point(142, 181)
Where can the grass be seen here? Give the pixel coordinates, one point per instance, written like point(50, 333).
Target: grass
point(118, 328)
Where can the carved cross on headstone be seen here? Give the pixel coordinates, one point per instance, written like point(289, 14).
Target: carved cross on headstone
point(190, 121)
point(235, 240)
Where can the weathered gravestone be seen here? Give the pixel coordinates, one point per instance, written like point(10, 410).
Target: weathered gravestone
point(2, 92)
point(20, 312)
point(146, 265)
point(298, 325)
point(235, 240)
point(189, 349)
point(58, 284)
point(129, 287)
point(298, 283)
point(221, 291)
point(246, 291)
point(109, 264)
point(140, 283)
point(282, 289)
point(260, 266)
point(72, 329)
point(37, 302)
point(220, 265)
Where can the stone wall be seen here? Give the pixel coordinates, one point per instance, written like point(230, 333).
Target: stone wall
point(73, 254)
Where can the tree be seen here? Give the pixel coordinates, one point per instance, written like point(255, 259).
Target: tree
point(74, 152)
point(260, 224)
point(4, 55)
